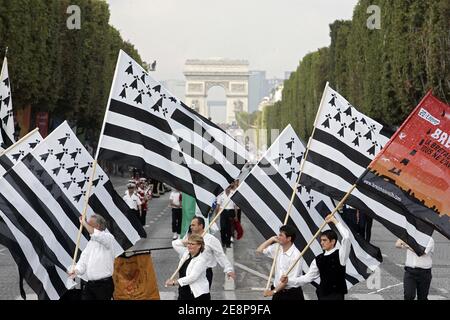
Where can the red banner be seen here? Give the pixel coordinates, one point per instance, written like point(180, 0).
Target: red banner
point(415, 165)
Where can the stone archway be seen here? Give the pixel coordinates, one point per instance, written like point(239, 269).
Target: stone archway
point(231, 75)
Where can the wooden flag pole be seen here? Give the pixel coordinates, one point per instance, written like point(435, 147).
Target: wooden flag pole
point(83, 215)
point(19, 141)
point(321, 227)
point(302, 164)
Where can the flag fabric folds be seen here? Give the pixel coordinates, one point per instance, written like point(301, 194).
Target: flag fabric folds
point(147, 127)
point(42, 197)
point(21, 148)
point(264, 196)
point(412, 172)
point(6, 111)
point(343, 144)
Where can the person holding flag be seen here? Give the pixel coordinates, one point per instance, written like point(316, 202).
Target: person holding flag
point(329, 266)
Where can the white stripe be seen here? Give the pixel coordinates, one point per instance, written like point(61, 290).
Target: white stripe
point(32, 258)
point(377, 208)
point(150, 157)
point(141, 128)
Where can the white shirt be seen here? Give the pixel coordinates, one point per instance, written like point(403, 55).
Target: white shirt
point(97, 259)
point(222, 199)
point(175, 198)
point(424, 261)
point(284, 261)
point(132, 201)
point(214, 254)
point(195, 272)
point(344, 252)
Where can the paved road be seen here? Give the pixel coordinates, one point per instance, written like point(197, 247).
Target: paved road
point(252, 270)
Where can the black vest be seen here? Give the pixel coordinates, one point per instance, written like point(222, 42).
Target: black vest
point(332, 274)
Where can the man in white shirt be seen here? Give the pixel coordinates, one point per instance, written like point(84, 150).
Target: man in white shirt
point(175, 204)
point(287, 255)
point(417, 277)
point(132, 200)
point(329, 266)
point(96, 261)
point(213, 252)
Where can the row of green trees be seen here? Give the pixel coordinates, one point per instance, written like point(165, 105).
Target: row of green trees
point(383, 72)
point(53, 68)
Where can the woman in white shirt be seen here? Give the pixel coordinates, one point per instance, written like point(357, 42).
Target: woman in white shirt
point(193, 284)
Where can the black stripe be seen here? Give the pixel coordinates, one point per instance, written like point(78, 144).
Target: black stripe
point(284, 187)
point(123, 207)
point(331, 166)
point(139, 115)
point(341, 147)
point(139, 138)
point(5, 162)
point(42, 210)
point(355, 202)
point(249, 210)
point(168, 153)
point(57, 193)
point(149, 170)
point(9, 241)
point(7, 142)
point(112, 226)
point(46, 256)
point(202, 118)
point(198, 154)
point(189, 123)
point(279, 211)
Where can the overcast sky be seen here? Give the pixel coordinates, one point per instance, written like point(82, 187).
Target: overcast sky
point(273, 35)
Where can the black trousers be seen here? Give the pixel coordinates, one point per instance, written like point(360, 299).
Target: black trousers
point(209, 276)
point(142, 217)
point(226, 227)
point(289, 294)
point(416, 280)
point(176, 220)
point(333, 296)
point(98, 290)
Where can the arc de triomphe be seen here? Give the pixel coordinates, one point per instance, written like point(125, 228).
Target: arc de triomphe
point(232, 75)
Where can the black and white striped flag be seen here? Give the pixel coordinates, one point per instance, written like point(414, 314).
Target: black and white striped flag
point(42, 198)
point(342, 146)
point(13, 155)
point(146, 127)
point(6, 112)
point(264, 196)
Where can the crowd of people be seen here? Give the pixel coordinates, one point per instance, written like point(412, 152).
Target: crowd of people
point(199, 252)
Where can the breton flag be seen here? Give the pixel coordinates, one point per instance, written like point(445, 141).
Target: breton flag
point(21, 148)
point(6, 112)
point(41, 199)
point(343, 144)
point(146, 127)
point(412, 172)
point(264, 196)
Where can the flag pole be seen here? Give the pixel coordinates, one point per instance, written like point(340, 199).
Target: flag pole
point(19, 141)
point(88, 193)
point(302, 164)
point(321, 227)
point(83, 214)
